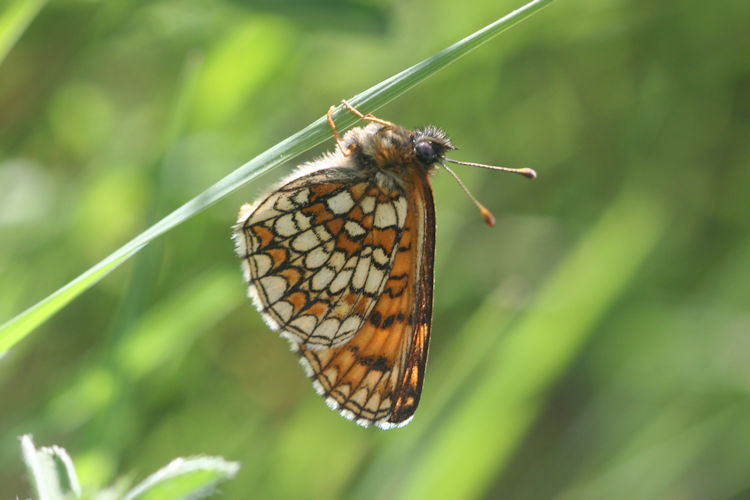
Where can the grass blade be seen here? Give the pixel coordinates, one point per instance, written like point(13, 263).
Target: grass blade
point(21, 325)
point(14, 20)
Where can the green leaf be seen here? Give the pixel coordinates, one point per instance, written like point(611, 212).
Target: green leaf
point(51, 471)
point(21, 325)
point(184, 478)
point(54, 476)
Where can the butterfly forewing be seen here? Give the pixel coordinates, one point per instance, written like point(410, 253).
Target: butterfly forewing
point(409, 388)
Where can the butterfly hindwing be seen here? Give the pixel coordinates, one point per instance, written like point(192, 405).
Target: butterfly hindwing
point(317, 252)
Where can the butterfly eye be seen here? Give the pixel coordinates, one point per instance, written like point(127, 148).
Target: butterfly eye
point(427, 151)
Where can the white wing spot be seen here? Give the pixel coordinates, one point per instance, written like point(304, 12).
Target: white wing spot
point(284, 203)
point(323, 235)
point(273, 287)
point(305, 323)
point(374, 280)
point(340, 281)
point(337, 261)
point(380, 256)
point(284, 225)
point(341, 202)
point(367, 204)
point(401, 210)
point(385, 216)
point(316, 257)
point(301, 197)
point(360, 273)
point(305, 241)
point(354, 229)
point(283, 309)
point(262, 264)
point(327, 328)
point(302, 220)
point(321, 279)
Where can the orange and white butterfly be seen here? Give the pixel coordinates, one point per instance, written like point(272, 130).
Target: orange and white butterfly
point(339, 259)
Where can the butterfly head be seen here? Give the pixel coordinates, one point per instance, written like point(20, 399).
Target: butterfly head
point(430, 144)
point(393, 147)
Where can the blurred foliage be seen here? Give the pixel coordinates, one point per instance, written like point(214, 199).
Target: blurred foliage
point(593, 344)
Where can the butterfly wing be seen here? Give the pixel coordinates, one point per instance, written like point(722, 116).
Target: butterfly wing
point(317, 252)
point(376, 378)
point(411, 375)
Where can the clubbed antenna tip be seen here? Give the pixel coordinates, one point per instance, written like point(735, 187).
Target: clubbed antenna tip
point(488, 217)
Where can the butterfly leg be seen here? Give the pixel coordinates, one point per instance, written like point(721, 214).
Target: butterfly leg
point(368, 117)
point(346, 151)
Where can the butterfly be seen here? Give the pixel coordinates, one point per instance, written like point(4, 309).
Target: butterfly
point(339, 259)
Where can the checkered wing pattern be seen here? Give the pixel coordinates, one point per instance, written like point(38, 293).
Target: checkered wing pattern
point(376, 378)
point(318, 251)
point(341, 265)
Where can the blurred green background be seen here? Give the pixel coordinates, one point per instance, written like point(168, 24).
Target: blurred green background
point(594, 344)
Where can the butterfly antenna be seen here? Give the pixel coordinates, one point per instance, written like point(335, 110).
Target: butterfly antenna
point(488, 217)
point(526, 172)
